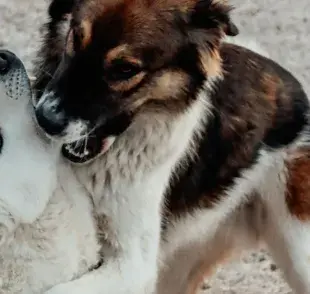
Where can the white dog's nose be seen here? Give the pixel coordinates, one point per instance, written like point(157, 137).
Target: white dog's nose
point(6, 61)
point(4, 64)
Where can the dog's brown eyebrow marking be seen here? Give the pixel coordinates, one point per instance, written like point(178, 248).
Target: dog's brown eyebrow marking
point(69, 43)
point(80, 36)
point(121, 52)
point(116, 53)
point(86, 28)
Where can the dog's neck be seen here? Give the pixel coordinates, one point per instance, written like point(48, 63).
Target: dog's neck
point(148, 151)
point(128, 182)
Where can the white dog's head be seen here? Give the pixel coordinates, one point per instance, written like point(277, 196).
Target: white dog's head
point(27, 162)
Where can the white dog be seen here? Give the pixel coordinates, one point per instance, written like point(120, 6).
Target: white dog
point(48, 232)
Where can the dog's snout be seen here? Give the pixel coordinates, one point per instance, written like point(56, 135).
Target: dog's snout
point(7, 59)
point(50, 116)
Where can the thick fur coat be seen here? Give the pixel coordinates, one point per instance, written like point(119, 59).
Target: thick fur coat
point(189, 146)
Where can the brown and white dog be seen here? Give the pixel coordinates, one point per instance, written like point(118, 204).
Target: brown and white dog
point(189, 146)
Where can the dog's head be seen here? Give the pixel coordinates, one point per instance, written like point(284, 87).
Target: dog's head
point(127, 57)
point(27, 163)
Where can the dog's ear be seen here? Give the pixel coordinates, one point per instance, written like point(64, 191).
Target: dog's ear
point(213, 14)
point(59, 9)
point(231, 29)
point(208, 22)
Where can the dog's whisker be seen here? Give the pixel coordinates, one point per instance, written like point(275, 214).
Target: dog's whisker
point(85, 145)
point(47, 73)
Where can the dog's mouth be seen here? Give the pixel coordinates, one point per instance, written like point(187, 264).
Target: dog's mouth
point(87, 149)
point(98, 141)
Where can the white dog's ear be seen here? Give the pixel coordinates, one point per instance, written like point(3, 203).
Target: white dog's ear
point(231, 29)
point(14, 80)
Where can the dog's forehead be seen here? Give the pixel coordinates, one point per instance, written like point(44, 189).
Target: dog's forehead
point(96, 8)
point(140, 23)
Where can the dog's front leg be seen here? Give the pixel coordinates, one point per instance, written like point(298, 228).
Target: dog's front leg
point(134, 223)
point(123, 275)
point(288, 239)
point(132, 271)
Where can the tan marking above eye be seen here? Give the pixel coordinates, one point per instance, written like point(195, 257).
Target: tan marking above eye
point(168, 85)
point(123, 86)
point(121, 52)
point(82, 34)
point(86, 32)
point(115, 53)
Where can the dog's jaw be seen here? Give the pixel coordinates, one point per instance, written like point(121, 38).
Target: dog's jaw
point(86, 152)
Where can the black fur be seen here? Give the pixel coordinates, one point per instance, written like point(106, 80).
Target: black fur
point(291, 116)
point(241, 125)
point(58, 9)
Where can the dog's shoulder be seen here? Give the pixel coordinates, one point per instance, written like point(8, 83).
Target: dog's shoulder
point(262, 92)
point(258, 105)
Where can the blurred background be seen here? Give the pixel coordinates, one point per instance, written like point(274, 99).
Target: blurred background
point(281, 27)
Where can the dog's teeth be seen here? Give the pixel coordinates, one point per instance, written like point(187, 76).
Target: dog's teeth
point(76, 154)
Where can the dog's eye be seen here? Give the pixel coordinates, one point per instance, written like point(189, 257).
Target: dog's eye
point(121, 71)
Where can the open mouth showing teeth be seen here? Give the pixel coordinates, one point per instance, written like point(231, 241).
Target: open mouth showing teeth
point(87, 149)
point(98, 141)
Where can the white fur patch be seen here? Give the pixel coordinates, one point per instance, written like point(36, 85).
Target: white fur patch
point(47, 230)
point(132, 177)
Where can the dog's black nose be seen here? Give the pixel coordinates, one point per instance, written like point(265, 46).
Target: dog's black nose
point(4, 64)
point(51, 117)
point(7, 60)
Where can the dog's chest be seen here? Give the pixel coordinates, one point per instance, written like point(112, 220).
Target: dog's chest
point(59, 247)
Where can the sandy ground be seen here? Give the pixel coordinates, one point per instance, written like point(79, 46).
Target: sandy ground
point(283, 29)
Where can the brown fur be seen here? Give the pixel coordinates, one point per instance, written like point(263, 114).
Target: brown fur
point(142, 41)
point(298, 191)
point(247, 103)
